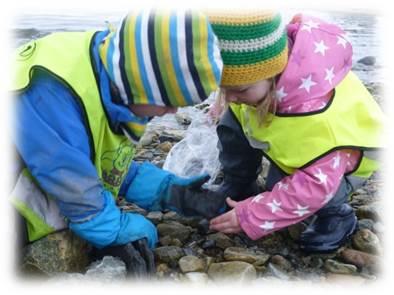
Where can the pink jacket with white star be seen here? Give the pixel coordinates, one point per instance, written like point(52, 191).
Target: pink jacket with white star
point(320, 57)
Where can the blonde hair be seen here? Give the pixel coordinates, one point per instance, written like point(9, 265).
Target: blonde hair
point(266, 107)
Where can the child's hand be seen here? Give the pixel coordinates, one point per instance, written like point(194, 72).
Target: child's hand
point(227, 222)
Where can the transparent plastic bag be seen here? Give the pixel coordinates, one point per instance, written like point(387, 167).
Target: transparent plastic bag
point(197, 152)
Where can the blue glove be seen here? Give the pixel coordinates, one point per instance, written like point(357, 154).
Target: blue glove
point(112, 227)
point(155, 189)
point(150, 186)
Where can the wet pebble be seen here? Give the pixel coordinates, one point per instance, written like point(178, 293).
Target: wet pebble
point(169, 254)
point(366, 241)
point(359, 258)
point(246, 255)
point(367, 60)
point(175, 230)
point(191, 264)
point(339, 268)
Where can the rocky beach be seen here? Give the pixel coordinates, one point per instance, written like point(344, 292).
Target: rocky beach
point(189, 252)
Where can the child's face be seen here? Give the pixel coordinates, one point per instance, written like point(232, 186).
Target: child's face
point(147, 110)
point(251, 94)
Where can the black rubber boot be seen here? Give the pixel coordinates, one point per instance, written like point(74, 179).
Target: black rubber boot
point(330, 230)
point(332, 225)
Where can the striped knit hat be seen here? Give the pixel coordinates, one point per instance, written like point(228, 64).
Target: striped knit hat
point(165, 59)
point(253, 45)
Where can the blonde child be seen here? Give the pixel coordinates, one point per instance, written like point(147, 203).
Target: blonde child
point(294, 100)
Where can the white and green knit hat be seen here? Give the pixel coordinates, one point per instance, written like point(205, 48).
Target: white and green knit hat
point(253, 45)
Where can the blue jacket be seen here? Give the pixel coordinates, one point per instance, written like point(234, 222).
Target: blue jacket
point(50, 123)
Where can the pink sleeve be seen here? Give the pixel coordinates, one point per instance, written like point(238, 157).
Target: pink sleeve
point(295, 197)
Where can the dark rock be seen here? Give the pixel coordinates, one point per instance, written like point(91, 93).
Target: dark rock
point(58, 252)
point(171, 216)
point(192, 221)
point(295, 230)
point(272, 244)
point(203, 226)
point(208, 244)
point(169, 254)
point(313, 261)
point(222, 241)
point(370, 211)
point(358, 258)
point(367, 60)
point(175, 230)
point(165, 241)
point(366, 241)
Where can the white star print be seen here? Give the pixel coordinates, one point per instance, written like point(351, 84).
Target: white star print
point(321, 47)
point(337, 160)
point(322, 177)
point(329, 75)
point(309, 25)
point(267, 225)
point(280, 94)
point(257, 198)
point(275, 206)
point(328, 198)
point(307, 83)
point(301, 211)
point(341, 41)
point(282, 186)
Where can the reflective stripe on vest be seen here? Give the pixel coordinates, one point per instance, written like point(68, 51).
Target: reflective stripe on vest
point(111, 153)
point(352, 119)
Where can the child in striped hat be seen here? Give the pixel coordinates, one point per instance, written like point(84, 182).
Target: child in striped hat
point(161, 61)
point(292, 99)
point(83, 100)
